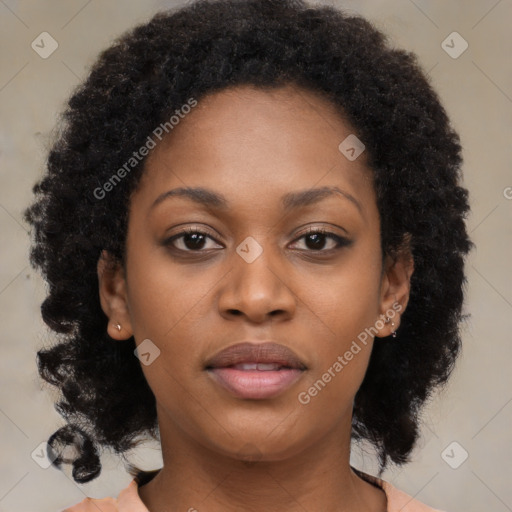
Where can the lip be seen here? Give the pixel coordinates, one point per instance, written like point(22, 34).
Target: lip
point(255, 370)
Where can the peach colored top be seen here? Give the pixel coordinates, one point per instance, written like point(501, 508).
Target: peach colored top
point(129, 501)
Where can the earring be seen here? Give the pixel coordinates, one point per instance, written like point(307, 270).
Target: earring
point(118, 327)
point(393, 332)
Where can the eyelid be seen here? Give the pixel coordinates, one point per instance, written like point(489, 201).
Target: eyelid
point(195, 229)
point(192, 229)
point(317, 229)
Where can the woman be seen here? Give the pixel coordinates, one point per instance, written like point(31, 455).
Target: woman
point(259, 200)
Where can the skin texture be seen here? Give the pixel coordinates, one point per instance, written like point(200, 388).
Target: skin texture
point(221, 452)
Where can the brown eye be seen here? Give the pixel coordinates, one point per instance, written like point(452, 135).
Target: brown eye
point(317, 239)
point(190, 240)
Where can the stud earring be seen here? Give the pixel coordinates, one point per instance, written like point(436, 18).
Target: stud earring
point(118, 327)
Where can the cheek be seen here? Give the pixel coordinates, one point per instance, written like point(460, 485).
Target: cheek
point(345, 297)
point(171, 305)
point(343, 347)
point(163, 296)
point(346, 306)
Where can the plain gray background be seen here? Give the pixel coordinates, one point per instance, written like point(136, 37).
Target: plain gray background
point(474, 411)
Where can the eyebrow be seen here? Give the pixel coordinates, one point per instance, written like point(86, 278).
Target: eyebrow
point(290, 200)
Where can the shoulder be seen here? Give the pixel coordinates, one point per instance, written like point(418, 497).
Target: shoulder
point(93, 505)
point(128, 500)
point(399, 501)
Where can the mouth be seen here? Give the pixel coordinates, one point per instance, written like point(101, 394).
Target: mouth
point(255, 371)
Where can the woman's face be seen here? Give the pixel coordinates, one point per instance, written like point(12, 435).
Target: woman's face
point(270, 170)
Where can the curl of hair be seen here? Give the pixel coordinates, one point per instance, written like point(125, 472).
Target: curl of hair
point(136, 84)
point(86, 465)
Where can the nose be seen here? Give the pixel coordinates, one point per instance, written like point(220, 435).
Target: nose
point(258, 291)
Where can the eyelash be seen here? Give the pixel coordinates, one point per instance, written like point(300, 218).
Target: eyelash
point(340, 241)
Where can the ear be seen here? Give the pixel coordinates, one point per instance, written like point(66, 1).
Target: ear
point(395, 288)
point(113, 297)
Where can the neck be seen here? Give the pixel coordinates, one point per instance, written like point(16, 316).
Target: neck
point(195, 478)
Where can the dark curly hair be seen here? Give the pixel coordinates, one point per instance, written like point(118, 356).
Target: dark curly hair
point(137, 84)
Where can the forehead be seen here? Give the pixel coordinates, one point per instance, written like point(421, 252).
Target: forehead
point(247, 141)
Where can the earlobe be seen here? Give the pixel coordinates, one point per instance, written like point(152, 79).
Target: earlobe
point(395, 290)
point(113, 297)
